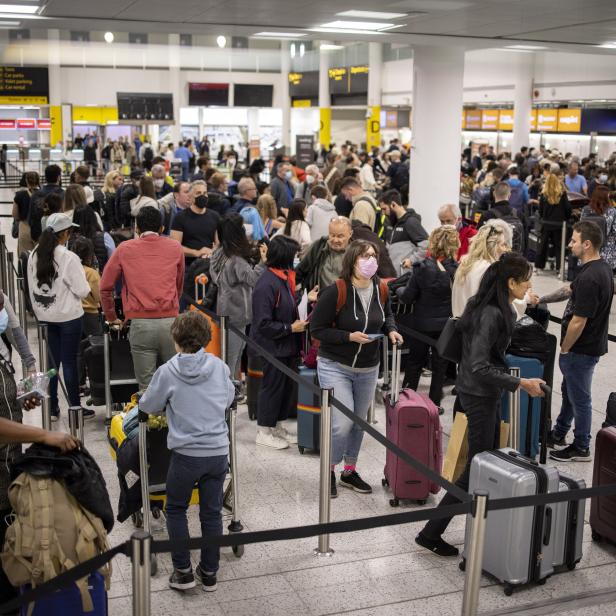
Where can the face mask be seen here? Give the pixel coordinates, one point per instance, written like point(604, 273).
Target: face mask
point(603, 178)
point(309, 179)
point(158, 184)
point(288, 175)
point(367, 266)
point(201, 201)
point(4, 320)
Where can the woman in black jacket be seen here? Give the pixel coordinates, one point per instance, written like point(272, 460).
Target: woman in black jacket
point(88, 227)
point(486, 326)
point(275, 326)
point(429, 292)
point(348, 359)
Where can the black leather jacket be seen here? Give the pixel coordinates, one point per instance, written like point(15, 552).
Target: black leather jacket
point(482, 370)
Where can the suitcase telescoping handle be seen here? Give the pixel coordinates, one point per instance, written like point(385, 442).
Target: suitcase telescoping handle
point(396, 361)
point(546, 422)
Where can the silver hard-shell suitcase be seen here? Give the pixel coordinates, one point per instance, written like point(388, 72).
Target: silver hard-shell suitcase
point(519, 545)
point(569, 525)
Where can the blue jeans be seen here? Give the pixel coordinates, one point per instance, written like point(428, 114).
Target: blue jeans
point(64, 340)
point(356, 391)
point(577, 370)
point(209, 474)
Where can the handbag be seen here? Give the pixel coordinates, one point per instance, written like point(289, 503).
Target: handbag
point(449, 343)
point(15, 229)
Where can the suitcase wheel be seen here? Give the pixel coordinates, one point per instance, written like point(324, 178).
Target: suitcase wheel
point(422, 501)
point(571, 566)
point(238, 550)
point(137, 519)
point(542, 581)
point(596, 536)
point(156, 512)
point(384, 482)
point(508, 590)
point(462, 565)
point(300, 449)
point(394, 502)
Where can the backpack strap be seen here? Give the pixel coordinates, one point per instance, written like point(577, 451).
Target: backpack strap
point(383, 292)
point(342, 294)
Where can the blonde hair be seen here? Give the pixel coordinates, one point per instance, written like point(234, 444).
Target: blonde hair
point(483, 246)
point(552, 189)
point(444, 242)
point(266, 206)
point(109, 187)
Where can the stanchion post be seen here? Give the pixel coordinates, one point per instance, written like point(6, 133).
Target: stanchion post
point(21, 302)
point(514, 413)
point(386, 371)
point(3, 276)
point(563, 249)
point(141, 543)
point(107, 368)
point(10, 272)
point(44, 365)
point(75, 422)
point(323, 548)
point(474, 560)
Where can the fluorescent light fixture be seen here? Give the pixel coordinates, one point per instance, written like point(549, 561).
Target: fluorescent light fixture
point(292, 50)
point(28, 9)
point(330, 47)
point(372, 14)
point(302, 50)
point(109, 37)
point(358, 25)
point(280, 34)
point(112, 122)
point(9, 24)
point(609, 45)
point(527, 47)
point(80, 121)
point(343, 31)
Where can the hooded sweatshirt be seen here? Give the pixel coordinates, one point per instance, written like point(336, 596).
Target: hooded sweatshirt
point(318, 217)
point(194, 390)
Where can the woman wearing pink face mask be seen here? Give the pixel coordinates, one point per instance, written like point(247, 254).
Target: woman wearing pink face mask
point(348, 359)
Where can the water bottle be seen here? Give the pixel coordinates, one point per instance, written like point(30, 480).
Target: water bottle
point(35, 385)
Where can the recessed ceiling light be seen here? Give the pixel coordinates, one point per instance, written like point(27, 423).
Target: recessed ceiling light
point(280, 34)
point(221, 41)
point(611, 45)
point(19, 8)
point(330, 47)
point(358, 25)
point(9, 24)
point(527, 47)
point(109, 37)
point(372, 15)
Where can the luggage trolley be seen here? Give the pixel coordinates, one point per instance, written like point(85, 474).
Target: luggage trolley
point(120, 381)
point(153, 475)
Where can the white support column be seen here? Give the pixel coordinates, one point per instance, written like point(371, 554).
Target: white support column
point(373, 115)
point(175, 85)
point(53, 59)
point(325, 103)
point(436, 124)
point(522, 100)
point(285, 66)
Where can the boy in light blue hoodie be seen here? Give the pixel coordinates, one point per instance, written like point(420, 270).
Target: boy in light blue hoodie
point(194, 389)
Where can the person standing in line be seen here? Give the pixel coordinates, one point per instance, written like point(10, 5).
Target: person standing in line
point(583, 341)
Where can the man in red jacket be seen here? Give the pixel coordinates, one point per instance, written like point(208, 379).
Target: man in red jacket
point(151, 269)
point(449, 214)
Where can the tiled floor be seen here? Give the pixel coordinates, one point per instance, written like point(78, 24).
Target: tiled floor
point(372, 573)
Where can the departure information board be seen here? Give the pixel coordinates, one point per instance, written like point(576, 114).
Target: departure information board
point(24, 85)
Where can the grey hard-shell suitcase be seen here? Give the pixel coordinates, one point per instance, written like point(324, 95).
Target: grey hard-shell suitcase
point(519, 545)
point(569, 525)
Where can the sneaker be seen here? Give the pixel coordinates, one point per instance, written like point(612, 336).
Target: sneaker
point(207, 580)
point(269, 439)
point(55, 414)
point(355, 482)
point(555, 442)
point(438, 546)
point(88, 413)
point(571, 454)
point(334, 490)
point(281, 432)
point(182, 580)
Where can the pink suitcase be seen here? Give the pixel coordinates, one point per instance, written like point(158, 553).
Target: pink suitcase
point(413, 424)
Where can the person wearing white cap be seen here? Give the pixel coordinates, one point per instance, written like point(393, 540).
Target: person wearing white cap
point(57, 284)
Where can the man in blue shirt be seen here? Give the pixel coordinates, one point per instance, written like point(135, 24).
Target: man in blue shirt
point(519, 191)
point(282, 188)
point(574, 181)
point(183, 153)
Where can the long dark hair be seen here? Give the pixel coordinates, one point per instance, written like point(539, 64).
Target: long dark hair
point(232, 236)
point(600, 200)
point(494, 291)
point(45, 263)
point(296, 212)
point(86, 219)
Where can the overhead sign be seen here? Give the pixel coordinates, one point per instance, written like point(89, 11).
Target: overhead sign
point(569, 120)
point(24, 85)
point(489, 119)
point(505, 119)
point(348, 80)
point(8, 123)
point(547, 120)
point(473, 119)
point(533, 120)
point(44, 124)
point(304, 85)
point(26, 123)
point(304, 150)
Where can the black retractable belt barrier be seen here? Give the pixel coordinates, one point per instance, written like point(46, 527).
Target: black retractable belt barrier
point(364, 425)
point(558, 321)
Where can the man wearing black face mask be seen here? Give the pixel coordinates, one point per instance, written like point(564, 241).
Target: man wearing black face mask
point(195, 227)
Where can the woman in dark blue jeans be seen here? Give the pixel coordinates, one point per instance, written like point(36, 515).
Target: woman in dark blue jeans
point(57, 284)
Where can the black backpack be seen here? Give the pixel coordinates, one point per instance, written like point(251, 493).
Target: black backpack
point(529, 339)
point(610, 412)
point(518, 243)
point(148, 156)
point(589, 216)
point(379, 221)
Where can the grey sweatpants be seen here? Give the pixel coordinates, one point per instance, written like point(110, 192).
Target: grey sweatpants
point(151, 345)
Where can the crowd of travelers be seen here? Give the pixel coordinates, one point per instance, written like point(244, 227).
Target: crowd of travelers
point(319, 261)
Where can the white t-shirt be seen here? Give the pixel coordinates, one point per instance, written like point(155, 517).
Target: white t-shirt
point(62, 301)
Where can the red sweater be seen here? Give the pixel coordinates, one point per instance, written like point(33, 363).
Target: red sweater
point(151, 270)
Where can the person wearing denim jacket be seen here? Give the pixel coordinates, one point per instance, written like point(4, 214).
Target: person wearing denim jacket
point(348, 358)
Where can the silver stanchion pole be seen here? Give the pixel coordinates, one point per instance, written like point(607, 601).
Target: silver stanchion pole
point(141, 541)
point(107, 368)
point(563, 249)
point(44, 365)
point(372, 413)
point(21, 304)
point(323, 548)
point(470, 599)
point(75, 422)
point(514, 413)
point(10, 270)
point(386, 371)
point(3, 274)
point(224, 340)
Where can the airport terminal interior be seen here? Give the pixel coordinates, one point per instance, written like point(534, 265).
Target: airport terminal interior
point(435, 113)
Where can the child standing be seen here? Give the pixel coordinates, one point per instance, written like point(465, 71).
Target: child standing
point(194, 389)
point(84, 249)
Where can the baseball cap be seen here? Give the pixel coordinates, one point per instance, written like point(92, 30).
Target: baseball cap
point(59, 222)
